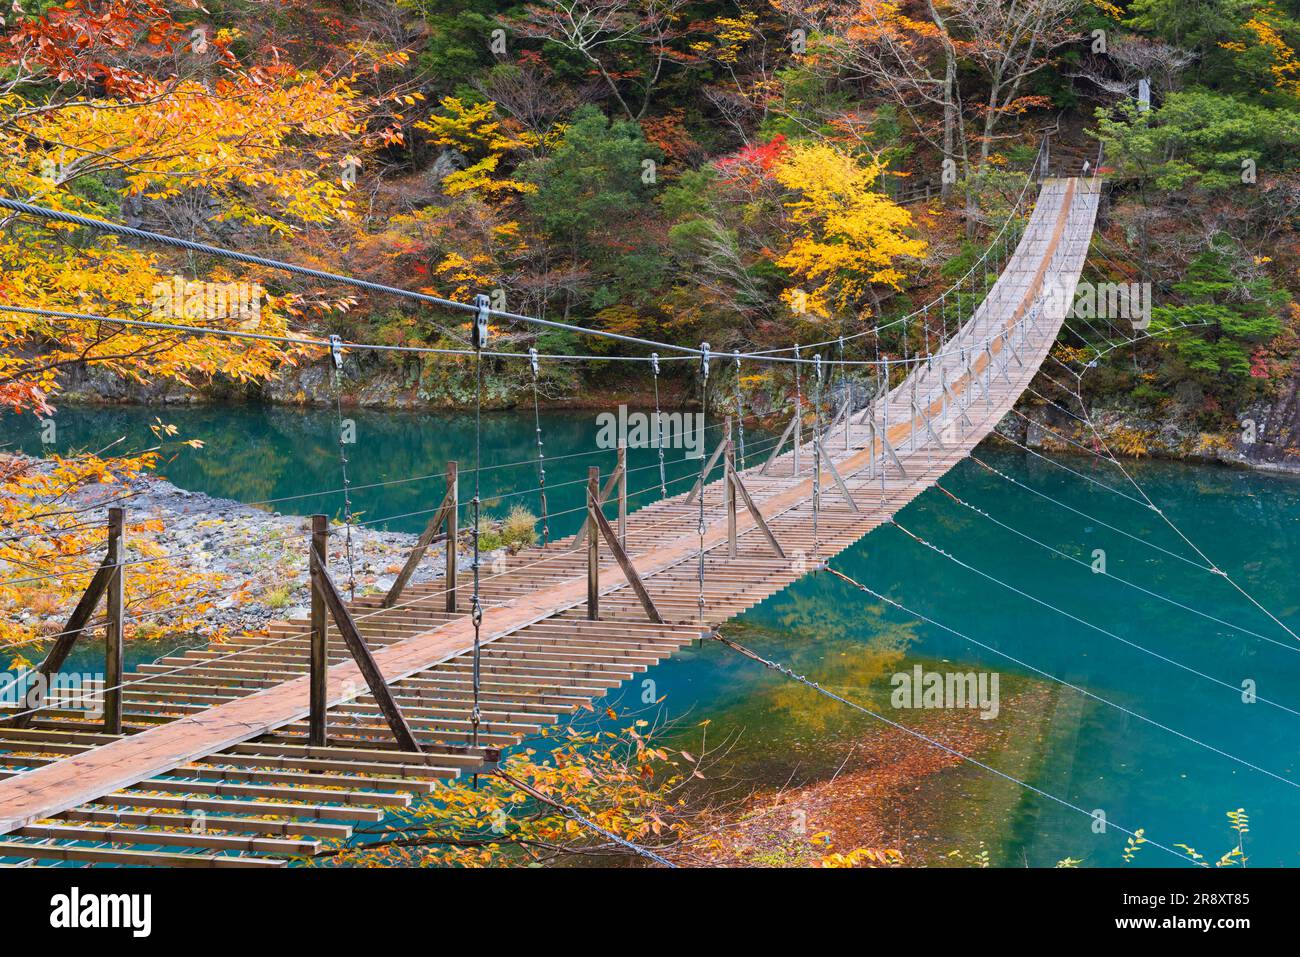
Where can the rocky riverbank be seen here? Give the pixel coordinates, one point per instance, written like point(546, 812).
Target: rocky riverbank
point(260, 556)
point(242, 565)
point(1129, 434)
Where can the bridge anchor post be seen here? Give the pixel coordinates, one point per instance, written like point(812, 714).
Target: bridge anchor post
point(319, 660)
point(593, 543)
point(114, 597)
point(323, 586)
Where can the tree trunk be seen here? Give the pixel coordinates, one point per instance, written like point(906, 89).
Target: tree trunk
point(950, 109)
point(949, 119)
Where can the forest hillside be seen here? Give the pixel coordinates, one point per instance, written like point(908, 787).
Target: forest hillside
point(747, 174)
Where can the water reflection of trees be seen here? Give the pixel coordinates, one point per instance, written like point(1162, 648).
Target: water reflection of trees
point(834, 636)
point(256, 453)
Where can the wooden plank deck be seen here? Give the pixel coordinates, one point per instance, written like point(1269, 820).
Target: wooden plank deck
point(219, 735)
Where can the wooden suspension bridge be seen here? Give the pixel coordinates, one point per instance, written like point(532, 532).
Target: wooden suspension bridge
point(262, 749)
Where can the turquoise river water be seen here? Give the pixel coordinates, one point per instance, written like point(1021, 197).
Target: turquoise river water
point(1167, 674)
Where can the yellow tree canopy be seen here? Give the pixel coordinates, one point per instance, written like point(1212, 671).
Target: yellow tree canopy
point(235, 144)
point(849, 236)
point(483, 140)
point(95, 124)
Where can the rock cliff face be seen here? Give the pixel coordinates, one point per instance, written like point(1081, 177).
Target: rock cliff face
point(1268, 439)
point(367, 383)
point(370, 386)
point(1277, 425)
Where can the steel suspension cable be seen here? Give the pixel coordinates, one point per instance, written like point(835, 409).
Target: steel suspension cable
point(704, 462)
point(1087, 478)
point(1165, 518)
point(541, 455)
point(31, 209)
point(1142, 541)
point(1078, 561)
point(1038, 671)
point(1235, 689)
point(414, 350)
point(659, 423)
point(740, 417)
point(118, 229)
point(480, 334)
point(476, 308)
point(336, 353)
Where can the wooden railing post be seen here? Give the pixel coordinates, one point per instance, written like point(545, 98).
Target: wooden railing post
point(798, 432)
point(114, 598)
point(109, 567)
point(848, 413)
point(625, 563)
point(319, 641)
point(323, 585)
point(622, 495)
point(601, 498)
point(453, 532)
point(988, 375)
point(593, 543)
point(780, 444)
point(911, 426)
point(826, 460)
point(758, 516)
point(714, 459)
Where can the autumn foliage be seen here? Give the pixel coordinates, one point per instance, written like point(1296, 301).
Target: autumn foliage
point(113, 109)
